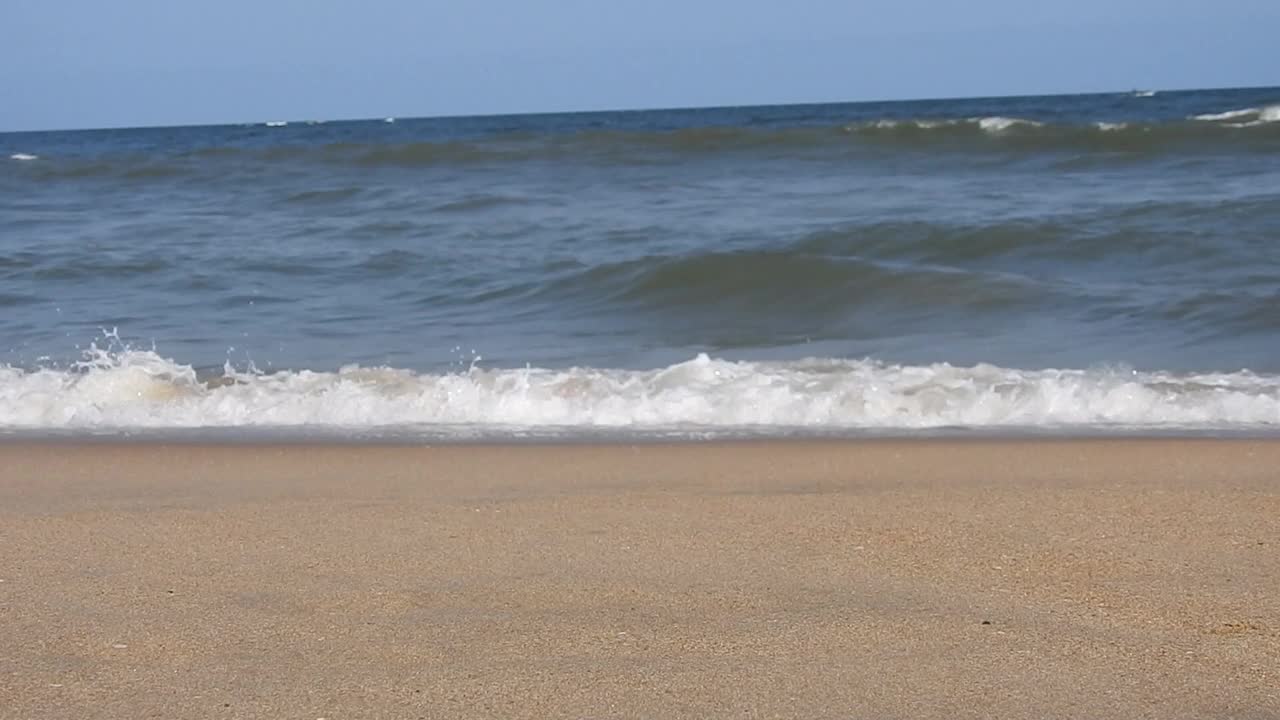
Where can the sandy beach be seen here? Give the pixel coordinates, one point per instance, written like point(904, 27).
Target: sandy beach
point(872, 579)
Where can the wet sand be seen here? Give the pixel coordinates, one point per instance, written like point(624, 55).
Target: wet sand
point(876, 579)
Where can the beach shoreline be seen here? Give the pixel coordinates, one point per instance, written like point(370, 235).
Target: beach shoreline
point(936, 577)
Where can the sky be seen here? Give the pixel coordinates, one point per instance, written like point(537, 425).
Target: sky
point(88, 63)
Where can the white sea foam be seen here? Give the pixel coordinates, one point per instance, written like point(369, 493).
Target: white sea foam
point(141, 389)
point(1244, 117)
point(1227, 115)
point(890, 124)
point(1265, 116)
point(920, 124)
point(1111, 126)
point(997, 123)
point(23, 156)
point(993, 124)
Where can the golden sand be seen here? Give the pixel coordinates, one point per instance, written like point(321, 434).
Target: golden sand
point(876, 579)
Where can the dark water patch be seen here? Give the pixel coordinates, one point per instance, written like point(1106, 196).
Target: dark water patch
point(13, 300)
point(215, 152)
point(191, 281)
point(938, 243)
point(18, 260)
point(1178, 232)
point(287, 267)
point(697, 141)
point(99, 324)
point(121, 168)
point(277, 153)
point(154, 171)
point(472, 203)
point(1225, 312)
point(102, 268)
point(418, 154)
point(783, 283)
point(332, 196)
point(385, 229)
point(391, 262)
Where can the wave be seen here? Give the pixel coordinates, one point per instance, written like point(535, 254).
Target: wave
point(1101, 234)
point(23, 156)
point(998, 133)
point(786, 283)
point(15, 299)
point(993, 124)
point(977, 134)
point(828, 282)
point(986, 134)
point(1244, 117)
point(134, 168)
point(934, 268)
point(143, 390)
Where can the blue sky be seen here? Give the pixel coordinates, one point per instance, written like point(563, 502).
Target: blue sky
point(89, 63)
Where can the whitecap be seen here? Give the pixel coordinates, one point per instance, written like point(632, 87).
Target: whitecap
point(998, 124)
point(142, 389)
point(1228, 115)
point(1262, 116)
point(891, 124)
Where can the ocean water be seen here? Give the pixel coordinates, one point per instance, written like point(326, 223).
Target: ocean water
point(1090, 263)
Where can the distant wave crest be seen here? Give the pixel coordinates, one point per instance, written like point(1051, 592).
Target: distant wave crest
point(1244, 117)
point(982, 135)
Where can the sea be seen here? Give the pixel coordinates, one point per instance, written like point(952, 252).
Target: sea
point(1079, 264)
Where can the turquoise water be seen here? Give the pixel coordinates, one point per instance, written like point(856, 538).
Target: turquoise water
point(1098, 262)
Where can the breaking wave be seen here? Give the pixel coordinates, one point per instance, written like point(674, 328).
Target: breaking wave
point(1244, 117)
point(130, 389)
